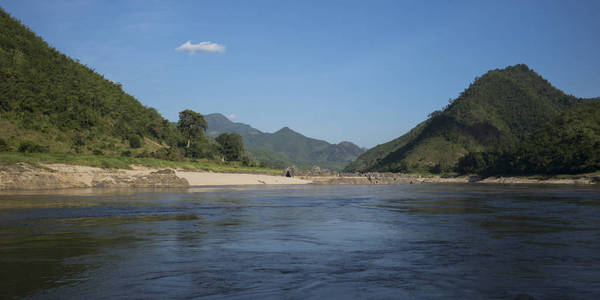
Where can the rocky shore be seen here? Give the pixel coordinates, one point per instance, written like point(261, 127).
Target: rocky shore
point(23, 176)
point(391, 178)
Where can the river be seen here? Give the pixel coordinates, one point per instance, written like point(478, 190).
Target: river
point(428, 241)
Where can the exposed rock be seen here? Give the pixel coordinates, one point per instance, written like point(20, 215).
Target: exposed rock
point(398, 178)
point(23, 176)
point(160, 178)
point(165, 171)
point(291, 171)
point(315, 171)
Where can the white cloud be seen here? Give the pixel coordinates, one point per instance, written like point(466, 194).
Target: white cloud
point(232, 117)
point(201, 47)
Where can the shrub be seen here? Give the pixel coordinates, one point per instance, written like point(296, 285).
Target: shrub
point(78, 140)
point(4, 146)
point(173, 154)
point(135, 142)
point(31, 147)
point(126, 153)
point(144, 154)
point(246, 161)
point(97, 152)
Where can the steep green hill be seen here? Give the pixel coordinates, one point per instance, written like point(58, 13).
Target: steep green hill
point(568, 144)
point(285, 146)
point(497, 111)
point(52, 101)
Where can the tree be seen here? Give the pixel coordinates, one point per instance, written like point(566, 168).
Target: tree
point(192, 125)
point(232, 146)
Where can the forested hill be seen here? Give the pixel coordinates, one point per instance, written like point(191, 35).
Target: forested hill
point(54, 101)
point(569, 144)
point(497, 111)
point(285, 146)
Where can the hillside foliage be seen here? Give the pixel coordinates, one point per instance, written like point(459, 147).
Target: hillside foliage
point(496, 113)
point(44, 91)
point(569, 144)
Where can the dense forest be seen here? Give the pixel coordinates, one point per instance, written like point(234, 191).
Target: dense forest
point(569, 144)
point(52, 103)
point(499, 113)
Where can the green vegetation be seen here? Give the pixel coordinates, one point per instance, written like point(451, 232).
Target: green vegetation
point(120, 162)
point(192, 125)
point(231, 146)
point(496, 114)
point(135, 142)
point(374, 155)
point(269, 157)
point(50, 98)
point(285, 147)
point(569, 144)
point(4, 146)
point(31, 147)
point(50, 103)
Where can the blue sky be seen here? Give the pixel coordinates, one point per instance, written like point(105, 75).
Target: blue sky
point(364, 71)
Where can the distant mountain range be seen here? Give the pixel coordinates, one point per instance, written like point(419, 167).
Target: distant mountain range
point(285, 147)
point(497, 112)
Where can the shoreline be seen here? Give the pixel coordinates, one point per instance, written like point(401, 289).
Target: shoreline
point(26, 177)
point(390, 178)
point(23, 177)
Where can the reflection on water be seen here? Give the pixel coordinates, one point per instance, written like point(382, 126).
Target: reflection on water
point(418, 241)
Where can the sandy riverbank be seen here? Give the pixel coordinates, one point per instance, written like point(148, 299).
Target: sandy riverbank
point(206, 178)
point(23, 176)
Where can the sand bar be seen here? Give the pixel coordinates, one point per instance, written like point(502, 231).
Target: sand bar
point(209, 178)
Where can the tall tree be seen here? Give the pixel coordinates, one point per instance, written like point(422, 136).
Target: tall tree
point(192, 125)
point(232, 146)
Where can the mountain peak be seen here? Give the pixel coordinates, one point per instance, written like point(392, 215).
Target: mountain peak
point(218, 116)
point(519, 72)
point(349, 145)
point(219, 123)
point(519, 67)
point(285, 130)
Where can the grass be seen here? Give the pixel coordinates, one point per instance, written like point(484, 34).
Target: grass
point(119, 162)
